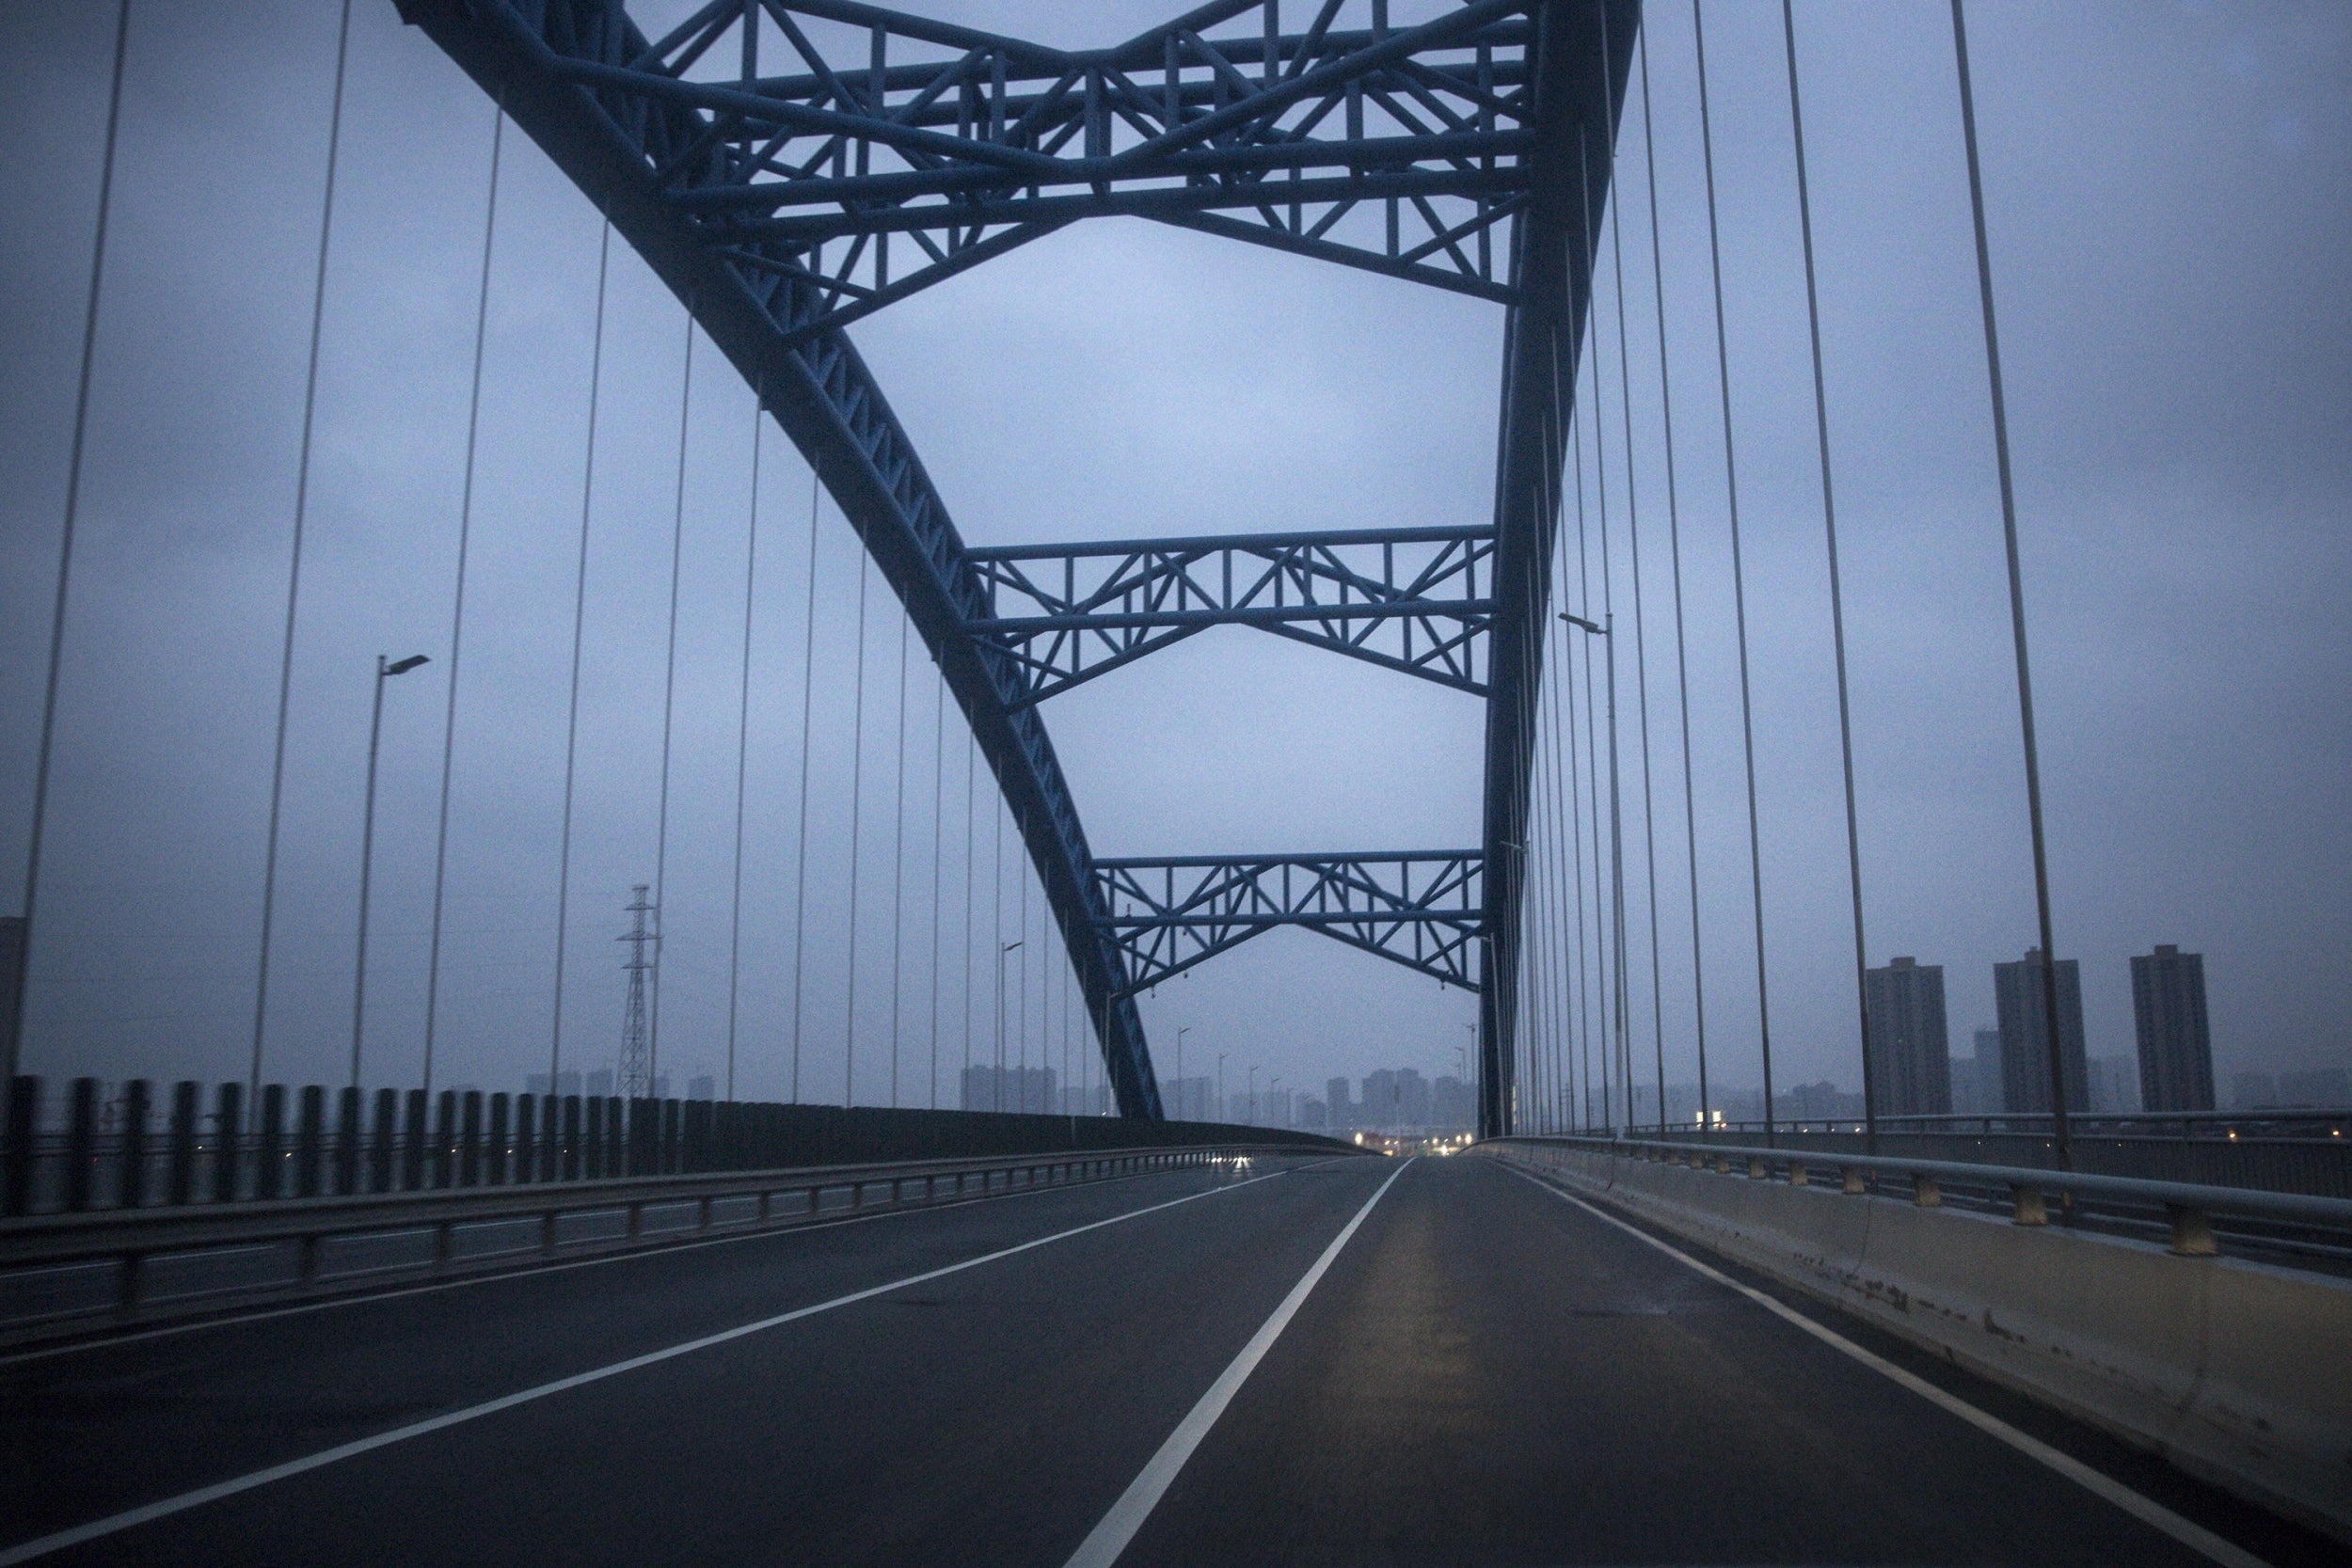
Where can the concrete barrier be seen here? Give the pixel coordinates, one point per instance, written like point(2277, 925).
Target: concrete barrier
point(2238, 1372)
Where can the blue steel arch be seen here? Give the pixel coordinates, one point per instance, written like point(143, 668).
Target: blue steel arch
point(1498, 115)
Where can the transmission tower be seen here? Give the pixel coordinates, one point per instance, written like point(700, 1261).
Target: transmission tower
point(636, 1078)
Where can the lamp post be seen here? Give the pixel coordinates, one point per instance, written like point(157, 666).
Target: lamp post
point(1253, 1095)
point(1617, 869)
point(1223, 1112)
point(1273, 1083)
point(1180, 1071)
point(384, 671)
point(1002, 954)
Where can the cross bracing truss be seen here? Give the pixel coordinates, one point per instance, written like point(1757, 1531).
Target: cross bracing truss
point(1414, 600)
point(1423, 909)
point(804, 135)
point(763, 155)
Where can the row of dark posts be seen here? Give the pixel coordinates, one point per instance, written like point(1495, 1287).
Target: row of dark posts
point(470, 1140)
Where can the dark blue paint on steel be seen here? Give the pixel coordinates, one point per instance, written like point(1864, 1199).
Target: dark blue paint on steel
point(1419, 907)
point(768, 203)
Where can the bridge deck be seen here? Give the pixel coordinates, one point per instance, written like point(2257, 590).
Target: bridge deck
point(1486, 1373)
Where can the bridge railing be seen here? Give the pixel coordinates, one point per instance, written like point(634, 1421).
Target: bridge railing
point(2286, 1151)
point(67, 1272)
point(2192, 1218)
point(133, 1149)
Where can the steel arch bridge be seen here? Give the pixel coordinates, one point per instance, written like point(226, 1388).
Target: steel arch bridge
point(761, 158)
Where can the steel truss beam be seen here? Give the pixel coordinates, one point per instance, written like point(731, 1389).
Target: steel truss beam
point(1405, 600)
point(767, 203)
point(1421, 908)
point(801, 135)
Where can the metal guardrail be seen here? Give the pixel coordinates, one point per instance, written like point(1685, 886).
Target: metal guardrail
point(131, 1241)
point(2188, 1206)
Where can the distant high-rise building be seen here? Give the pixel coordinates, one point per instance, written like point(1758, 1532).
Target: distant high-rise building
point(1336, 1100)
point(1452, 1103)
point(565, 1083)
point(1313, 1113)
point(2253, 1091)
point(701, 1087)
point(2175, 1045)
point(2025, 1034)
point(1911, 1050)
point(2114, 1085)
point(1274, 1108)
point(1189, 1098)
point(1412, 1098)
point(598, 1083)
point(1012, 1088)
point(1379, 1108)
point(1976, 1078)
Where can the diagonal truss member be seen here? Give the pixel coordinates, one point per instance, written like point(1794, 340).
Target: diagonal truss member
point(1413, 600)
point(1423, 909)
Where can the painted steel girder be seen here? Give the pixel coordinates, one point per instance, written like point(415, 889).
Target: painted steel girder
point(1421, 908)
point(1582, 53)
point(1405, 600)
point(820, 393)
point(803, 135)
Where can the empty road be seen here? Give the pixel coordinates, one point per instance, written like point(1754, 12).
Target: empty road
point(1339, 1361)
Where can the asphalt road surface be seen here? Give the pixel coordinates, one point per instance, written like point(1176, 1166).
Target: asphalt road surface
point(1356, 1361)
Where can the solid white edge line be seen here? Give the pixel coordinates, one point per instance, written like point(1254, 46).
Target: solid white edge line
point(393, 1290)
point(2146, 1510)
point(111, 1524)
point(1111, 1534)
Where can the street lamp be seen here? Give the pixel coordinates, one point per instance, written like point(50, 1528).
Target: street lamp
point(1273, 1083)
point(1180, 1071)
point(1616, 866)
point(1253, 1095)
point(1223, 1111)
point(384, 671)
point(1002, 954)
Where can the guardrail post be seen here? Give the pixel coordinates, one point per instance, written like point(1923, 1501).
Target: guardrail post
point(1925, 1191)
point(1856, 1182)
point(412, 1144)
point(444, 1238)
point(306, 1250)
point(1798, 1176)
point(131, 1178)
point(81, 1143)
point(494, 1153)
point(445, 1139)
point(547, 1233)
point(1722, 1165)
point(526, 1142)
point(2192, 1231)
point(270, 1147)
point(309, 1140)
point(16, 1186)
point(571, 1138)
point(180, 1165)
point(470, 1140)
point(382, 1141)
point(1759, 1170)
point(228, 1127)
point(346, 1141)
point(636, 1220)
point(2026, 1207)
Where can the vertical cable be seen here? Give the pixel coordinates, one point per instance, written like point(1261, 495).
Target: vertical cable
point(1837, 596)
point(1021, 868)
point(897, 864)
point(1640, 645)
point(971, 865)
point(1674, 541)
point(742, 740)
point(939, 822)
point(996, 884)
point(1604, 957)
point(1739, 577)
point(800, 860)
point(294, 563)
point(2016, 595)
point(857, 803)
point(580, 614)
point(14, 1032)
point(669, 703)
point(457, 609)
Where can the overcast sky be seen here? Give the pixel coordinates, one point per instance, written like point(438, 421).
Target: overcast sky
point(2170, 196)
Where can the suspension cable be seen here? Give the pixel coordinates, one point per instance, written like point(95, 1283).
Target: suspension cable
point(580, 612)
point(1674, 540)
point(2016, 596)
point(1739, 577)
point(12, 1027)
point(800, 857)
point(294, 565)
point(1837, 595)
point(743, 739)
point(457, 608)
point(857, 803)
point(669, 696)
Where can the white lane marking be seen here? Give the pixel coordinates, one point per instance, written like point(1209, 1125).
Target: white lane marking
point(2146, 1510)
point(524, 1269)
point(96, 1528)
point(1103, 1545)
